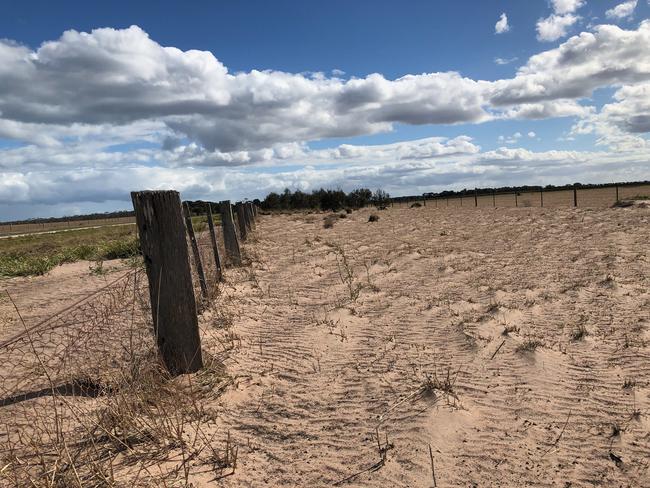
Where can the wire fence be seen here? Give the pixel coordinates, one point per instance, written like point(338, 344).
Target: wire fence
point(87, 382)
point(85, 343)
point(577, 197)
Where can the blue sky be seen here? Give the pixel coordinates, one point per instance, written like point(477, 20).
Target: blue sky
point(235, 99)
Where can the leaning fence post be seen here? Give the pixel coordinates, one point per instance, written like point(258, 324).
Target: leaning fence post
point(229, 233)
point(159, 220)
point(215, 247)
point(241, 220)
point(195, 251)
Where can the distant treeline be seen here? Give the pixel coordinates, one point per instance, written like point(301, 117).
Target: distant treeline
point(324, 199)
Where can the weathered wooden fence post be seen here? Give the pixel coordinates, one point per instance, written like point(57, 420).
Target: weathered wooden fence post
point(195, 251)
point(575, 197)
point(516, 200)
point(159, 220)
point(215, 246)
point(541, 197)
point(241, 220)
point(494, 198)
point(475, 198)
point(617, 193)
point(229, 233)
point(248, 210)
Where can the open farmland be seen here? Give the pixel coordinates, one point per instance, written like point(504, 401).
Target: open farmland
point(514, 342)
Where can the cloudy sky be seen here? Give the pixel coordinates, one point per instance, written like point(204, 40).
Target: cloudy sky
point(235, 99)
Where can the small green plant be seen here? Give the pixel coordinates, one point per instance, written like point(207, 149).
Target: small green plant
point(97, 268)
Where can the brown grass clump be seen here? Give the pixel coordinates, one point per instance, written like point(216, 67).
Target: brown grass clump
point(529, 345)
point(373, 218)
point(579, 333)
point(328, 221)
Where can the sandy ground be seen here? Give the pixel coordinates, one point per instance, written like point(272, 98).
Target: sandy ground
point(514, 342)
point(319, 373)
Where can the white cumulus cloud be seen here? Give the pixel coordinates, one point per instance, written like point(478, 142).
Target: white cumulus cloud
point(502, 24)
point(567, 6)
point(622, 10)
point(555, 26)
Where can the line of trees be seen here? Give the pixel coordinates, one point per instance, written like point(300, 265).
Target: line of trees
point(324, 199)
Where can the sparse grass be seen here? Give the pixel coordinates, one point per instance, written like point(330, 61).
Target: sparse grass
point(579, 332)
point(137, 424)
point(444, 383)
point(529, 345)
point(38, 254)
point(509, 329)
point(97, 268)
point(629, 383)
point(346, 271)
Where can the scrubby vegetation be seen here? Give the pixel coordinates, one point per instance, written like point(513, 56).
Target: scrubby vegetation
point(322, 199)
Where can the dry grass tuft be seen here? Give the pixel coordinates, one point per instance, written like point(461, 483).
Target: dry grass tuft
point(328, 221)
point(529, 346)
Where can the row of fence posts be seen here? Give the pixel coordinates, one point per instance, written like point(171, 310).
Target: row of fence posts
point(162, 222)
point(494, 194)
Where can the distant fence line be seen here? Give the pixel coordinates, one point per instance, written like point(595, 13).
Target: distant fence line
point(575, 197)
point(26, 228)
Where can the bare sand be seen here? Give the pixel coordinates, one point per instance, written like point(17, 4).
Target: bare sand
point(514, 342)
point(563, 294)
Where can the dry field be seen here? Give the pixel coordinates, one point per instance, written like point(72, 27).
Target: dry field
point(513, 342)
point(8, 229)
